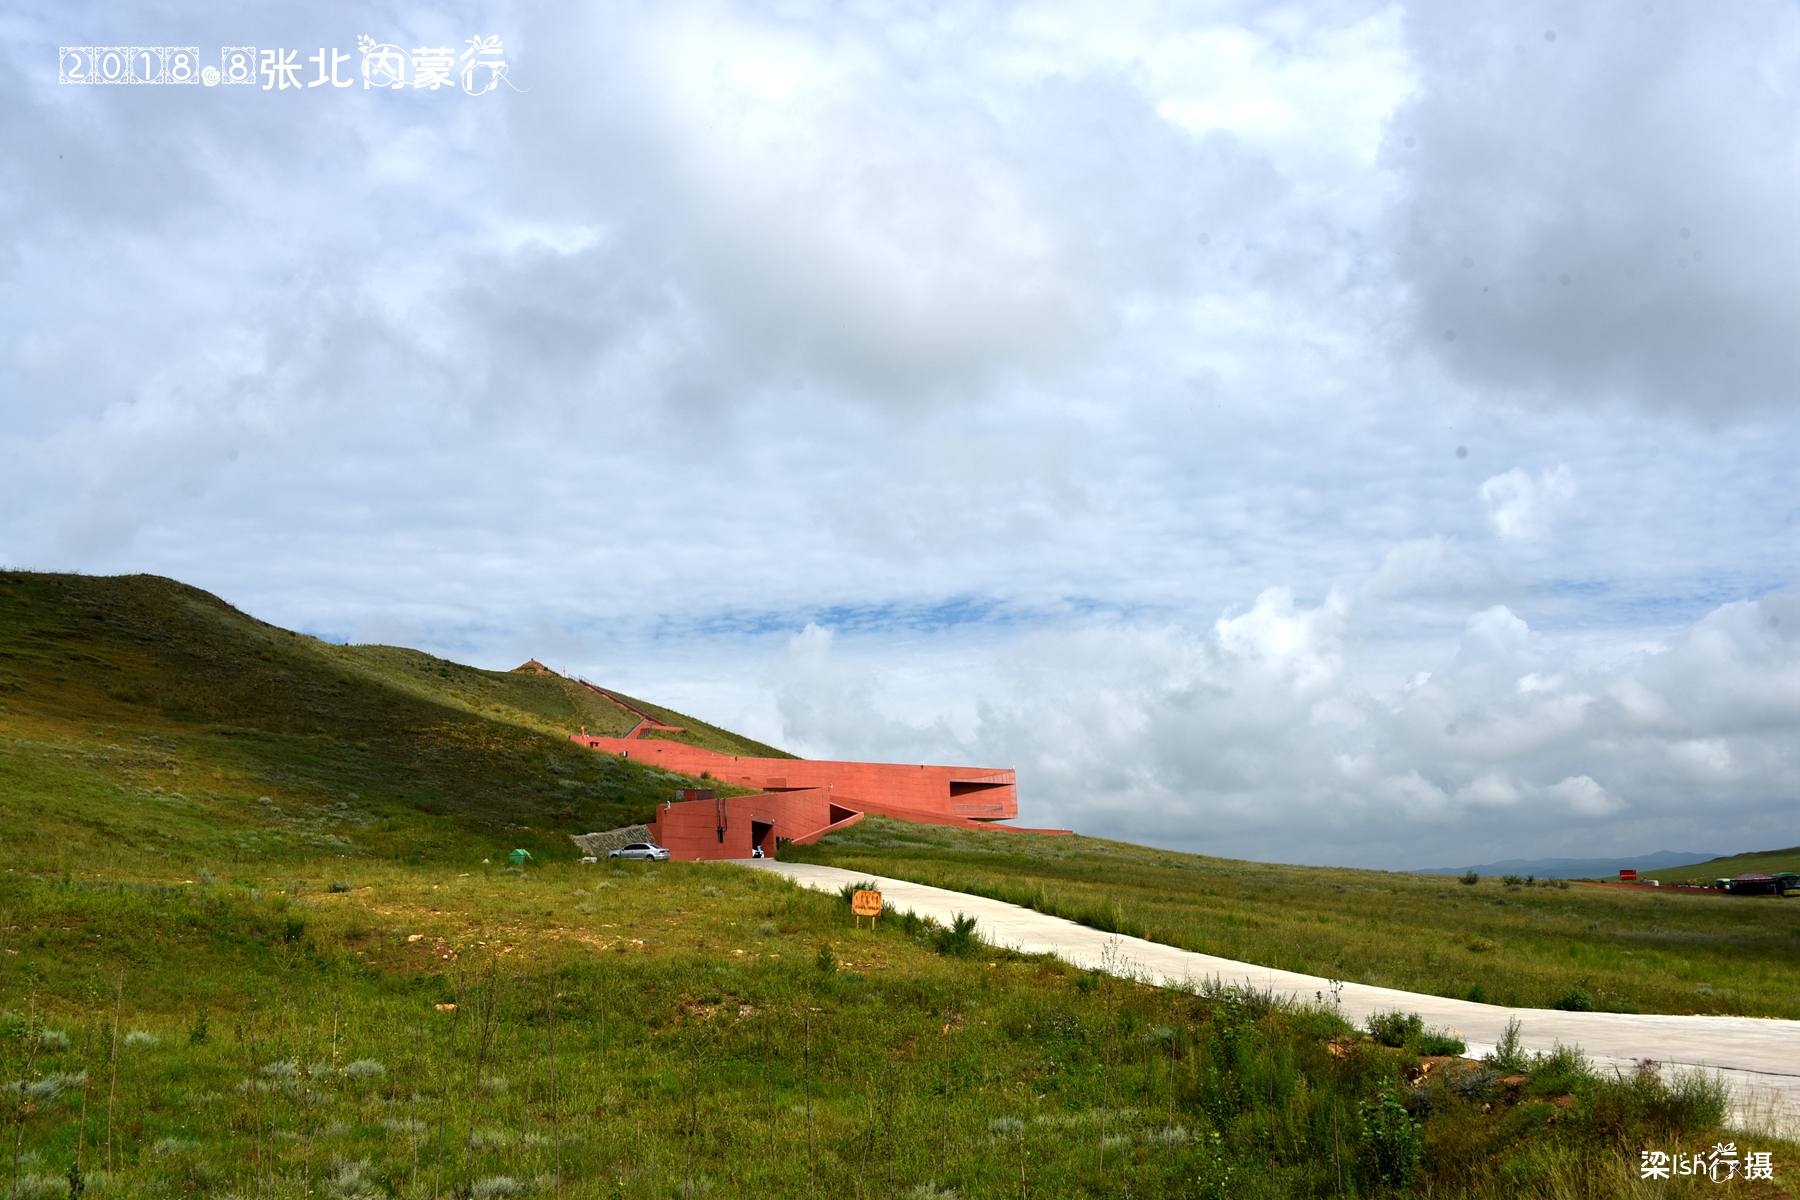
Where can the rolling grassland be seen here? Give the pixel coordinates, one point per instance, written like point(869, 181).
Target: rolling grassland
point(1540, 946)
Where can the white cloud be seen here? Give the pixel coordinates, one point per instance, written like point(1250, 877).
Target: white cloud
point(1520, 506)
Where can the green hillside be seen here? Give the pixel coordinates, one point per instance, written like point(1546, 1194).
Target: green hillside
point(693, 731)
point(140, 716)
point(1766, 861)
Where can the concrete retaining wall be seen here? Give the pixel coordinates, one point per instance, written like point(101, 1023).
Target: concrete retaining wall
point(597, 844)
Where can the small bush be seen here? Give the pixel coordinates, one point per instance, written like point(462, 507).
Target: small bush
point(1393, 1146)
point(1562, 1068)
point(55, 1084)
point(710, 890)
point(959, 940)
point(1440, 1042)
point(1395, 1028)
point(1512, 880)
point(42, 1187)
point(52, 1041)
point(1575, 1000)
point(767, 930)
point(197, 1031)
point(338, 885)
point(1475, 1084)
point(353, 1181)
point(1694, 1101)
point(1508, 1055)
point(1476, 994)
point(139, 1037)
point(1213, 1181)
point(825, 960)
point(1006, 1127)
point(1471, 879)
point(364, 1068)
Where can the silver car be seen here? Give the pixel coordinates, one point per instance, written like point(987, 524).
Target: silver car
point(641, 851)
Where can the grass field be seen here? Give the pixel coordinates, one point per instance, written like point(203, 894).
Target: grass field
point(250, 947)
point(695, 1029)
point(1539, 946)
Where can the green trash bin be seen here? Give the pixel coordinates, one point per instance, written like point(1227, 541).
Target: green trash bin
point(518, 858)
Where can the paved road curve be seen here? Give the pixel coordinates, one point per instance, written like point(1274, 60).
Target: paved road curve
point(1758, 1058)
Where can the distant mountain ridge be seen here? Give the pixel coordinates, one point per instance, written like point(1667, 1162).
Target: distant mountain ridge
point(1576, 868)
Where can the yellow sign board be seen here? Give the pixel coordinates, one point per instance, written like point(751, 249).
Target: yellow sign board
point(866, 904)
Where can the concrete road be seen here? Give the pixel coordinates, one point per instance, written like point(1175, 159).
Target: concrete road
point(1759, 1058)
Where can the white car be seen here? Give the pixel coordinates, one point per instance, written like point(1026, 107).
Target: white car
point(641, 851)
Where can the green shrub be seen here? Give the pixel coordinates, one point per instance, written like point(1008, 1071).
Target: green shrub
point(825, 960)
point(1575, 1000)
point(1476, 994)
point(959, 940)
point(1508, 1055)
point(849, 890)
point(1395, 1028)
point(1393, 1145)
point(1471, 879)
point(1214, 1178)
point(1473, 1084)
point(1441, 1042)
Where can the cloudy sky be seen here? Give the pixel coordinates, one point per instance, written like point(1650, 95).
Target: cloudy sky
point(1341, 433)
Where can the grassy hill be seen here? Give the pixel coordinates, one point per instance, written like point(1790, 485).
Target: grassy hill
point(142, 717)
point(1766, 861)
point(249, 945)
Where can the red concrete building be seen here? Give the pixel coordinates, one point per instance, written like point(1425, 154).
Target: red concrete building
point(803, 799)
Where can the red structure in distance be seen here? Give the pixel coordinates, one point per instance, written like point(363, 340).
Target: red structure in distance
point(804, 799)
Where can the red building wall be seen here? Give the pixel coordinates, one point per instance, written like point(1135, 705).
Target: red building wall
point(803, 798)
point(938, 795)
point(727, 827)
